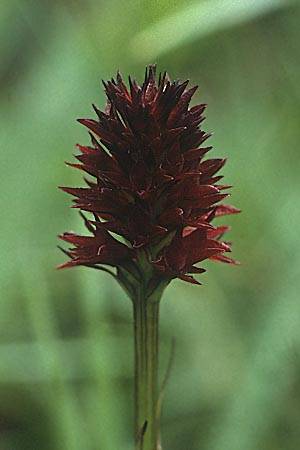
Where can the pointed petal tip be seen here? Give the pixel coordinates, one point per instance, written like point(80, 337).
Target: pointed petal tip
point(66, 252)
point(87, 122)
point(223, 210)
point(65, 189)
point(225, 259)
point(65, 265)
point(84, 122)
point(152, 70)
point(62, 237)
point(119, 76)
point(95, 108)
point(189, 279)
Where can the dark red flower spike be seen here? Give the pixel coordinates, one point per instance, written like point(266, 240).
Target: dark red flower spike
point(152, 195)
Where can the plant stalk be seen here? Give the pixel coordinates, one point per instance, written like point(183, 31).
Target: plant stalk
point(146, 345)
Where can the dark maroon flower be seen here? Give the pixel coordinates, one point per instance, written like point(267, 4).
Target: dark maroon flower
point(151, 185)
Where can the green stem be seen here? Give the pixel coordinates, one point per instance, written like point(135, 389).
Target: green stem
point(146, 321)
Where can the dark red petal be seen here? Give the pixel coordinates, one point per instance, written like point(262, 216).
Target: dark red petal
point(196, 153)
point(189, 279)
point(223, 210)
point(211, 166)
point(77, 192)
point(225, 259)
point(171, 217)
point(176, 256)
point(218, 231)
point(195, 269)
point(76, 239)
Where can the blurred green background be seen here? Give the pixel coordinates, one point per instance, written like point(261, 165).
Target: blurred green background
point(65, 337)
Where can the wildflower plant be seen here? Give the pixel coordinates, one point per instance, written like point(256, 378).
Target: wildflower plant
point(150, 199)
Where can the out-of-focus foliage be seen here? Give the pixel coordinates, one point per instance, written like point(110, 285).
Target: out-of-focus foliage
point(65, 337)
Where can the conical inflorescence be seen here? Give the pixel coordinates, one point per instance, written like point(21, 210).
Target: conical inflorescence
point(150, 190)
